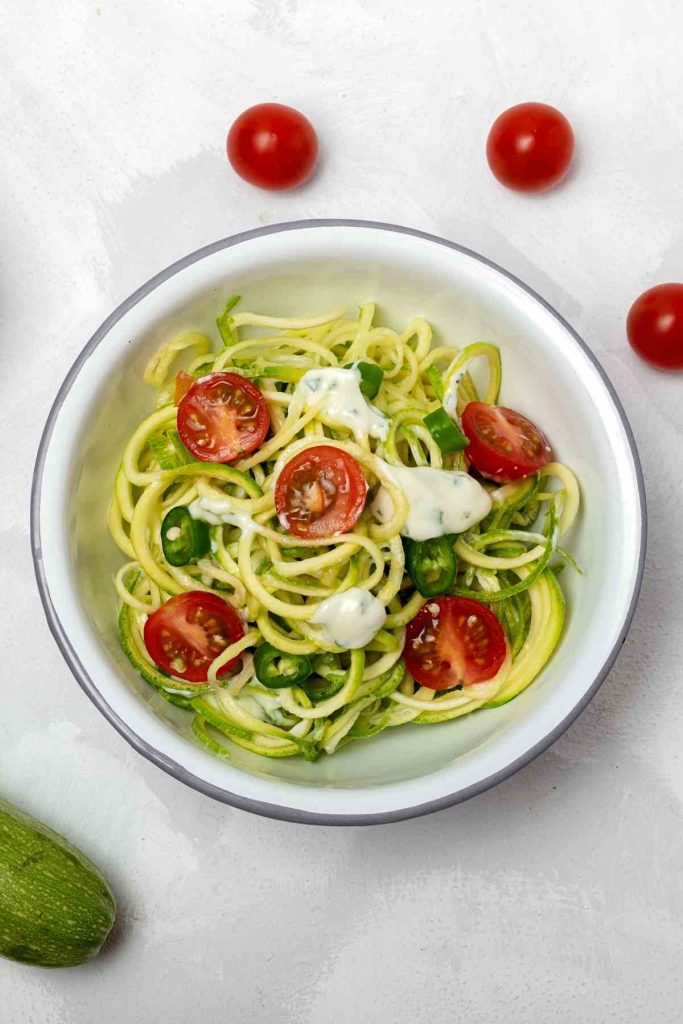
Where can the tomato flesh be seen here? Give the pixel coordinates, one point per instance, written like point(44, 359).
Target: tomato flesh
point(454, 641)
point(655, 326)
point(189, 631)
point(530, 147)
point(273, 146)
point(320, 492)
point(504, 445)
point(223, 416)
point(183, 383)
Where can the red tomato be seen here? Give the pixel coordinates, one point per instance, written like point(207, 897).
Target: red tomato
point(655, 326)
point(273, 146)
point(320, 492)
point(185, 635)
point(222, 417)
point(454, 641)
point(530, 147)
point(504, 445)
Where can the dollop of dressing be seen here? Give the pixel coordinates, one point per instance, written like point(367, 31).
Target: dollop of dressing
point(440, 501)
point(450, 398)
point(344, 405)
point(216, 511)
point(350, 619)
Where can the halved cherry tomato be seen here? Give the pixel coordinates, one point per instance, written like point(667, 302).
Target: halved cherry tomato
point(320, 492)
point(273, 146)
point(655, 326)
point(222, 417)
point(504, 445)
point(454, 641)
point(183, 383)
point(530, 147)
point(185, 635)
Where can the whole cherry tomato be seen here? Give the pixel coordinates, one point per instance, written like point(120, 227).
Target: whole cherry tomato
point(655, 326)
point(273, 146)
point(530, 147)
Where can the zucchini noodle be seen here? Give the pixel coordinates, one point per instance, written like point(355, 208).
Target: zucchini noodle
point(279, 583)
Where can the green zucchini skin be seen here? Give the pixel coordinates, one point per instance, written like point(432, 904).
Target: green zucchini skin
point(56, 908)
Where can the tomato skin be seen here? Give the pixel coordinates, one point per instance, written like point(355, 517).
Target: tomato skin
point(504, 445)
point(320, 492)
point(273, 146)
point(530, 147)
point(222, 417)
point(194, 627)
point(454, 641)
point(655, 326)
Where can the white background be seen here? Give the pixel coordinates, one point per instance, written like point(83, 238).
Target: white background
point(559, 895)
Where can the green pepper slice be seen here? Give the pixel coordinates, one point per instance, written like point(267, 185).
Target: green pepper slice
point(371, 376)
point(445, 431)
point(277, 669)
point(432, 564)
point(327, 679)
point(322, 689)
point(182, 537)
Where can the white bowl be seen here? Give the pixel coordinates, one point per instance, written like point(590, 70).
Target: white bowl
point(306, 268)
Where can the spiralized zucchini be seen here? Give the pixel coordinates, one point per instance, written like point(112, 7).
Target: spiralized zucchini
point(276, 581)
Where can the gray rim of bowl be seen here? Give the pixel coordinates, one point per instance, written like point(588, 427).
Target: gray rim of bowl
point(166, 763)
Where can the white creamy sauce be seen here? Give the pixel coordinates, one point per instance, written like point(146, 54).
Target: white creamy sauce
point(450, 399)
point(344, 404)
point(350, 619)
point(251, 706)
point(217, 510)
point(264, 706)
point(440, 501)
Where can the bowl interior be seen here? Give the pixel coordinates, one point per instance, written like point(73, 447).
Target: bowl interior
point(546, 375)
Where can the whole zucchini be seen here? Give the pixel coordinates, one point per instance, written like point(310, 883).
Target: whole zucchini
point(56, 909)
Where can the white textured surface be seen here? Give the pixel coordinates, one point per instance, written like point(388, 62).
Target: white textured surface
point(557, 896)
